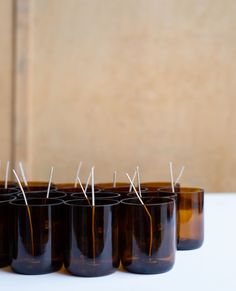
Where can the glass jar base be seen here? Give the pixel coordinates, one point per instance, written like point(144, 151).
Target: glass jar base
point(34, 269)
point(189, 244)
point(91, 272)
point(144, 267)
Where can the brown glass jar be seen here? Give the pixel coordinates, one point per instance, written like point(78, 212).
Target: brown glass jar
point(190, 217)
point(148, 242)
point(91, 237)
point(37, 238)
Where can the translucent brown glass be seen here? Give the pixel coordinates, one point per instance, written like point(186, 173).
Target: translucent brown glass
point(70, 188)
point(38, 186)
point(43, 194)
point(108, 185)
point(103, 195)
point(154, 194)
point(151, 186)
point(5, 238)
point(190, 217)
point(9, 191)
point(123, 191)
point(148, 242)
point(91, 247)
point(10, 184)
point(37, 238)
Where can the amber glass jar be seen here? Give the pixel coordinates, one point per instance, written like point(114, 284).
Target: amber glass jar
point(148, 241)
point(37, 236)
point(190, 217)
point(91, 237)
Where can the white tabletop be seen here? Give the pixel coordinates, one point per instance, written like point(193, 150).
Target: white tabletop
point(212, 267)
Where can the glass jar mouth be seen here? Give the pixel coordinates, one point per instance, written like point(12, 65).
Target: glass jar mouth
point(7, 199)
point(37, 202)
point(148, 201)
point(153, 193)
point(111, 185)
point(123, 189)
point(33, 194)
point(101, 195)
point(182, 190)
point(99, 202)
point(12, 191)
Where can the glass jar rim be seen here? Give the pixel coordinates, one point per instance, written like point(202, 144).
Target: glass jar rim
point(135, 201)
point(110, 202)
point(9, 198)
point(182, 190)
point(103, 193)
point(32, 202)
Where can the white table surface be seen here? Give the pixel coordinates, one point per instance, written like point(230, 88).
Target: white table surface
point(212, 267)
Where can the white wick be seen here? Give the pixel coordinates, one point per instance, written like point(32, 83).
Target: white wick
point(180, 175)
point(77, 173)
point(172, 177)
point(114, 179)
point(93, 196)
point(139, 183)
point(81, 186)
point(21, 188)
point(136, 192)
point(23, 173)
point(87, 183)
point(134, 176)
point(50, 182)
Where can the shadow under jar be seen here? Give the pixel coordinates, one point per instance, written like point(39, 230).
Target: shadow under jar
point(148, 245)
point(37, 236)
point(5, 238)
point(91, 247)
point(190, 217)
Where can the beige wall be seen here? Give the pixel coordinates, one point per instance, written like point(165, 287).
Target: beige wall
point(121, 83)
point(5, 81)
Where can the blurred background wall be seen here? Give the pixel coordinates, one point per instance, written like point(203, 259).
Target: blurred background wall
point(118, 84)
